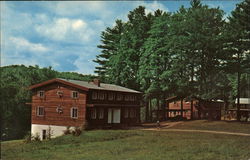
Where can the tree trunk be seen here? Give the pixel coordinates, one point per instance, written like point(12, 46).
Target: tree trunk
point(238, 89)
point(158, 108)
point(147, 111)
point(150, 110)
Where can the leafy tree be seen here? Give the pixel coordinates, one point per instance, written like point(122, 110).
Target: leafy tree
point(237, 44)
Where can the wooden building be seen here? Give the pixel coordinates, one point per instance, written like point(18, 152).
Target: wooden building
point(244, 110)
point(183, 108)
point(60, 103)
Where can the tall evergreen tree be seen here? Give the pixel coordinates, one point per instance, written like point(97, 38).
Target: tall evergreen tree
point(237, 44)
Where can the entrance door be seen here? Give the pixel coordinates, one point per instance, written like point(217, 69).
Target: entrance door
point(114, 115)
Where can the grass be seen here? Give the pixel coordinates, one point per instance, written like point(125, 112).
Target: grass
point(230, 126)
point(133, 145)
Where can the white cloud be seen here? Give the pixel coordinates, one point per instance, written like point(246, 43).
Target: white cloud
point(66, 30)
point(78, 24)
point(23, 44)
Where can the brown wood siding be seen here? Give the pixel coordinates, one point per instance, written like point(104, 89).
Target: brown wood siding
point(51, 101)
point(104, 121)
point(114, 101)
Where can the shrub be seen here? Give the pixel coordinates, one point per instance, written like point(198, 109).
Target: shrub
point(67, 131)
point(77, 131)
point(36, 137)
point(50, 134)
point(27, 138)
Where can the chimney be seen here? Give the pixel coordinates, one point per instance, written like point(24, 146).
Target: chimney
point(96, 82)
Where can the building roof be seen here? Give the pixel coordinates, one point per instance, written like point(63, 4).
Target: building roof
point(243, 100)
point(86, 85)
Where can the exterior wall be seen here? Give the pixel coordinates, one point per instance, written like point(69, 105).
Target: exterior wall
point(104, 121)
point(90, 99)
point(55, 130)
point(107, 104)
point(51, 101)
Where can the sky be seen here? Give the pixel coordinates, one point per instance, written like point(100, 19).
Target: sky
point(65, 34)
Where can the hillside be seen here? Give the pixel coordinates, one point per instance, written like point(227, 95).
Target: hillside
point(15, 79)
point(132, 145)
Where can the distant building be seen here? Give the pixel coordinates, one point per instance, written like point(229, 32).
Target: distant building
point(202, 109)
point(60, 103)
point(244, 109)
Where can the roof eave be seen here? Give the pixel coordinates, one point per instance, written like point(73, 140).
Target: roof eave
point(57, 80)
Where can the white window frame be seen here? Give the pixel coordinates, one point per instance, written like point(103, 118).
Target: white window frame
point(38, 111)
point(93, 113)
point(110, 96)
point(119, 97)
point(72, 112)
point(126, 98)
point(39, 94)
point(94, 95)
point(101, 95)
point(101, 113)
point(132, 98)
point(72, 94)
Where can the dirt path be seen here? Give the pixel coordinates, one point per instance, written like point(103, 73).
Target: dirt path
point(199, 131)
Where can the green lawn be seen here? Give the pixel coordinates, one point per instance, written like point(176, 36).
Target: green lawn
point(133, 145)
point(233, 126)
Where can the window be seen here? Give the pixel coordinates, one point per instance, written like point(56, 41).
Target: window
point(40, 111)
point(132, 98)
point(74, 112)
point(94, 95)
point(119, 97)
point(93, 113)
point(101, 113)
point(75, 94)
point(132, 113)
point(126, 97)
point(126, 113)
point(110, 96)
point(40, 94)
point(101, 95)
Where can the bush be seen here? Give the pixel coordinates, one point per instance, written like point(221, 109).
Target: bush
point(77, 131)
point(36, 137)
point(67, 131)
point(27, 138)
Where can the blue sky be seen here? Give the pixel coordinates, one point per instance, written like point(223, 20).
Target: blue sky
point(65, 34)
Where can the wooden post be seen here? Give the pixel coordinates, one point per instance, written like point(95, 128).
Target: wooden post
point(158, 107)
point(147, 110)
point(182, 108)
point(192, 109)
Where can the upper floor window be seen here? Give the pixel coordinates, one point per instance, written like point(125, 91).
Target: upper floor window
point(101, 96)
point(132, 98)
point(111, 96)
point(75, 94)
point(40, 94)
point(40, 111)
point(93, 113)
point(94, 95)
point(119, 97)
point(101, 113)
point(126, 97)
point(74, 112)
